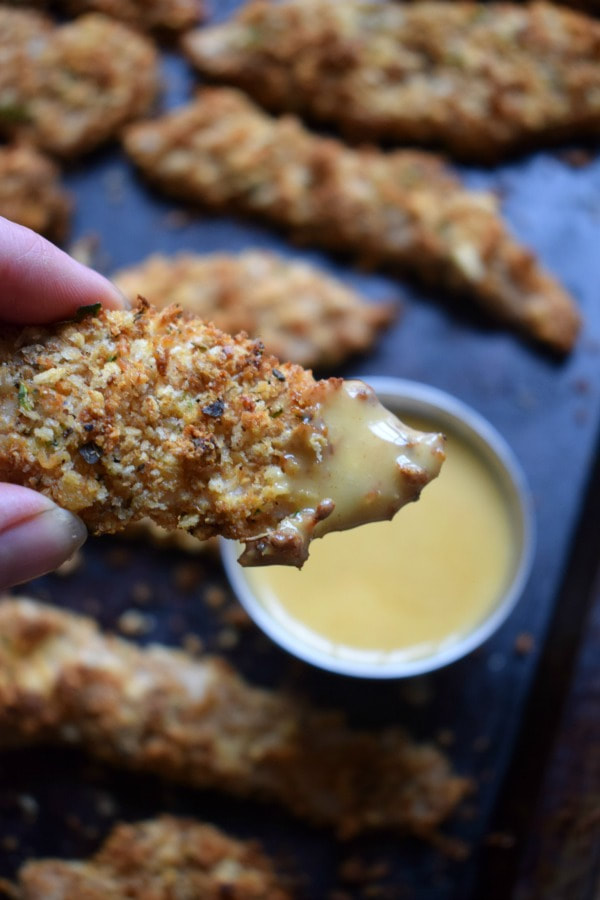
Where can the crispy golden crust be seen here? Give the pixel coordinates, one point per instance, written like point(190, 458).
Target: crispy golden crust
point(149, 15)
point(147, 413)
point(146, 530)
point(30, 192)
point(69, 89)
point(162, 16)
point(300, 314)
point(197, 722)
point(161, 859)
point(479, 80)
point(402, 209)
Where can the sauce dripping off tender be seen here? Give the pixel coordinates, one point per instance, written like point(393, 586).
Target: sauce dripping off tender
point(373, 465)
point(406, 587)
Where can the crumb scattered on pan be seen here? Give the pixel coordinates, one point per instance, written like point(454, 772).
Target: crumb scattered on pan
point(524, 643)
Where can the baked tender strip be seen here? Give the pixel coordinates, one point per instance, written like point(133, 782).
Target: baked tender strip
point(478, 79)
point(150, 15)
point(197, 722)
point(30, 191)
point(68, 89)
point(159, 859)
point(403, 209)
point(301, 314)
point(144, 412)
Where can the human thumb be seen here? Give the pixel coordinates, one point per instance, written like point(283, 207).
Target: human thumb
point(36, 536)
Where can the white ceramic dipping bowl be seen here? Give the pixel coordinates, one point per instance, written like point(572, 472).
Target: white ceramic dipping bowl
point(411, 399)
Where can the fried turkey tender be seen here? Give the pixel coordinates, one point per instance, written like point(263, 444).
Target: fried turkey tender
point(403, 209)
point(197, 722)
point(479, 80)
point(150, 413)
point(166, 858)
point(301, 314)
point(70, 88)
point(30, 191)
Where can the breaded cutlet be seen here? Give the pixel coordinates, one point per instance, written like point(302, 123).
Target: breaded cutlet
point(166, 17)
point(121, 415)
point(301, 314)
point(478, 79)
point(195, 721)
point(70, 88)
point(31, 193)
point(166, 858)
point(404, 210)
point(148, 15)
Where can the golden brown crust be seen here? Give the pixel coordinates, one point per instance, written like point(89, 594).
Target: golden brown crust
point(146, 530)
point(148, 15)
point(197, 722)
point(403, 209)
point(69, 89)
point(160, 859)
point(146, 413)
point(300, 314)
point(149, 413)
point(478, 80)
point(30, 192)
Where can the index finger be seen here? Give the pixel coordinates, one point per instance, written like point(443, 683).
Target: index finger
point(40, 283)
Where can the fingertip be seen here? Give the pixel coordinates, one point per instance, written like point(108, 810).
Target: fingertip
point(42, 284)
point(36, 536)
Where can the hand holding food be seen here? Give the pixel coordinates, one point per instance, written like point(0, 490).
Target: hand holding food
point(39, 283)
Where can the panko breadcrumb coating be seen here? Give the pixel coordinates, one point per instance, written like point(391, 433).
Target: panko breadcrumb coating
point(70, 88)
point(195, 721)
point(30, 191)
point(403, 209)
point(161, 16)
point(150, 413)
point(166, 858)
point(478, 79)
point(149, 15)
point(146, 530)
point(299, 313)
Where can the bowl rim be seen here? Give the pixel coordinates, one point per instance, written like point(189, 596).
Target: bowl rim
point(407, 397)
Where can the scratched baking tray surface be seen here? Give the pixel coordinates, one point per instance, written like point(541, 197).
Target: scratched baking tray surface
point(547, 410)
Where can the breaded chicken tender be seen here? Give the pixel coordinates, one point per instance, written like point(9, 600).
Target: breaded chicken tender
point(195, 721)
point(68, 89)
point(30, 191)
point(162, 16)
point(166, 858)
point(478, 79)
point(127, 414)
point(149, 15)
point(403, 209)
point(299, 313)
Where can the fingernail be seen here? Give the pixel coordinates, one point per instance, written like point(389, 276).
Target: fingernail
point(39, 545)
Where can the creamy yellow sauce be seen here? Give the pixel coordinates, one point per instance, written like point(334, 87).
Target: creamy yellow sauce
point(405, 587)
point(372, 465)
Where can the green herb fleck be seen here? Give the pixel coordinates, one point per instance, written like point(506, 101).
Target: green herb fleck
point(275, 413)
point(14, 113)
point(112, 358)
point(24, 399)
point(85, 312)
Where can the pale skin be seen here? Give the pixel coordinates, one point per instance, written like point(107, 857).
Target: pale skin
point(40, 284)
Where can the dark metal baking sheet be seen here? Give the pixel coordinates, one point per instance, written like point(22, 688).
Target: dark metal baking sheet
point(549, 412)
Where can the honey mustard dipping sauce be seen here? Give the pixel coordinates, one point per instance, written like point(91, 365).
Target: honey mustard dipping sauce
point(409, 589)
